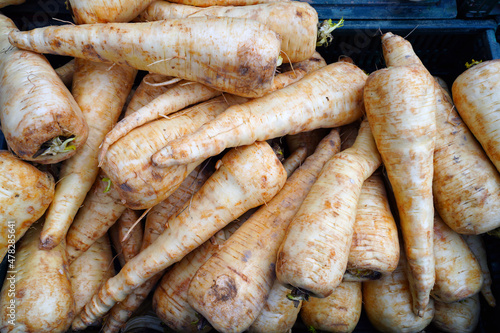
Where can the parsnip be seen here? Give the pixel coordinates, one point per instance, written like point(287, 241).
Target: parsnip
point(476, 94)
point(25, 194)
point(121, 312)
point(247, 177)
point(40, 119)
point(296, 22)
point(339, 312)
point(36, 295)
point(244, 65)
point(278, 315)
point(458, 274)
point(101, 209)
point(375, 243)
point(237, 278)
point(109, 87)
point(328, 97)
point(405, 139)
point(89, 11)
point(388, 303)
point(476, 245)
point(457, 317)
point(127, 248)
point(314, 255)
point(90, 270)
point(466, 185)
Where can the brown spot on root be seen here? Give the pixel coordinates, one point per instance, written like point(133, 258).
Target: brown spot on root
point(89, 51)
point(223, 289)
point(126, 187)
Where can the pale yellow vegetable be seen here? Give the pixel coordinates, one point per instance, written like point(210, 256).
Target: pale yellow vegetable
point(296, 22)
point(90, 270)
point(339, 312)
point(314, 255)
point(328, 97)
point(92, 11)
point(36, 295)
point(121, 312)
point(375, 243)
point(100, 91)
point(458, 274)
point(405, 139)
point(66, 72)
point(388, 303)
point(127, 226)
point(476, 245)
point(40, 119)
point(101, 209)
point(466, 185)
point(195, 49)
point(237, 279)
point(25, 194)
point(457, 317)
point(278, 315)
point(476, 93)
point(5, 3)
point(246, 177)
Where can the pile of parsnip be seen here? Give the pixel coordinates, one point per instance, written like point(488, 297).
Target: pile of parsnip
point(242, 181)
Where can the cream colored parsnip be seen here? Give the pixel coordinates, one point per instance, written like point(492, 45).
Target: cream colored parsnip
point(246, 177)
point(195, 49)
point(46, 129)
point(296, 22)
point(328, 97)
point(99, 11)
point(314, 255)
point(400, 105)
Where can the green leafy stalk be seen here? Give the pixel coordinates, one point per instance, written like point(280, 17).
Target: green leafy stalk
point(311, 329)
point(472, 63)
point(57, 146)
point(108, 186)
point(325, 30)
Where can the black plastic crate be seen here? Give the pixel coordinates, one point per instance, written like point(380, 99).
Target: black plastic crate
point(476, 8)
point(385, 9)
point(444, 46)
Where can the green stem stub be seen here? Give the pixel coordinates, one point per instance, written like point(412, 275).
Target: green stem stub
point(57, 145)
point(108, 186)
point(200, 322)
point(325, 30)
point(311, 329)
point(297, 295)
point(472, 63)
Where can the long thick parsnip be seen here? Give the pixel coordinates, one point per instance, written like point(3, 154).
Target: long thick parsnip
point(40, 119)
point(102, 207)
point(458, 274)
point(400, 105)
point(466, 185)
point(92, 82)
point(25, 194)
point(237, 279)
point(140, 184)
point(296, 22)
point(476, 93)
point(375, 243)
point(89, 270)
point(155, 225)
point(195, 49)
point(314, 255)
point(37, 297)
point(246, 177)
point(328, 97)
